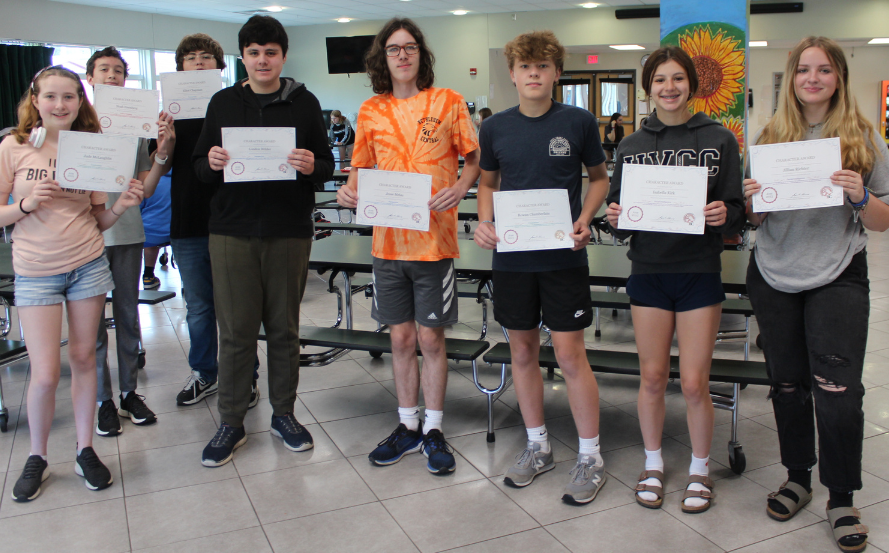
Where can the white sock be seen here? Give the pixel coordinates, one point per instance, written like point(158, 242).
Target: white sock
point(124, 394)
point(590, 446)
point(41, 456)
point(540, 436)
point(653, 461)
point(433, 421)
point(702, 468)
point(99, 403)
point(410, 417)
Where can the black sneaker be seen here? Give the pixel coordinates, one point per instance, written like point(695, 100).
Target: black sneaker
point(196, 389)
point(96, 474)
point(254, 396)
point(295, 435)
point(399, 443)
point(108, 424)
point(28, 485)
point(439, 453)
point(133, 406)
point(223, 445)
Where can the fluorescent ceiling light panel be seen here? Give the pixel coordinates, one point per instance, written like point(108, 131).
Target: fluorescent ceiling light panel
point(274, 9)
point(343, 20)
point(459, 12)
point(589, 5)
point(879, 41)
point(626, 47)
point(758, 43)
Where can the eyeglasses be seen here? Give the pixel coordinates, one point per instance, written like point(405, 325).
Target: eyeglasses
point(60, 68)
point(409, 49)
point(204, 57)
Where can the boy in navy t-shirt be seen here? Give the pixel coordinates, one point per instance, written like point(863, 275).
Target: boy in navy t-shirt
point(544, 144)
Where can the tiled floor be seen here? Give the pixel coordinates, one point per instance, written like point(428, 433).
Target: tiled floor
point(331, 499)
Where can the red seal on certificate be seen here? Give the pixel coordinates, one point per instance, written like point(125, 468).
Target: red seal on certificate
point(768, 195)
point(560, 235)
point(416, 217)
point(827, 192)
point(237, 168)
point(283, 167)
point(174, 107)
point(146, 127)
point(370, 211)
point(71, 174)
point(120, 179)
point(105, 121)
point(689, 218)
point(511, 236)
point(635, 214)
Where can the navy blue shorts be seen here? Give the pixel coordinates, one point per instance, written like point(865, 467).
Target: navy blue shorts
point(676, 292)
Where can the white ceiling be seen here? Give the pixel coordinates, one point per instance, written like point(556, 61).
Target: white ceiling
point(304, 12)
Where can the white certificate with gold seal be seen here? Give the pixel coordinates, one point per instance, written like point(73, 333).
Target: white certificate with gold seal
point(663, 198)
point(796, 175)
point(538, 219)
point(93, 161)
point(129, 111)
point(393, 199)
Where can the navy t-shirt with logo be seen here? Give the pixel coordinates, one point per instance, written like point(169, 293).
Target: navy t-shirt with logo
point(541, 152)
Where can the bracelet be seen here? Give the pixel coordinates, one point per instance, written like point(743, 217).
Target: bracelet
point(22, 208)
point(115, 213)
point(480, 222)
point(864, 200)
point(160, 160)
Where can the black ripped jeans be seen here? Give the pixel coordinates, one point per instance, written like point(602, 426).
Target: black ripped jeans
point(814, 343)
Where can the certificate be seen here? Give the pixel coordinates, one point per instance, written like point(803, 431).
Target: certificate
point(394, 199)
point(258, 153)
point(533, 220)
point(187, 93)
point(129, 111)
point(796, 175)
point(93, 161)
point(663, 198)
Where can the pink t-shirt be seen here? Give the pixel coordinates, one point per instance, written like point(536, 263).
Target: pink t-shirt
point(61, 234)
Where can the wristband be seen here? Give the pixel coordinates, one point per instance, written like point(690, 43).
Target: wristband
point(161, 161)
point(863, 201)
point(22, 207)
point(480, 222)
point(115, 213)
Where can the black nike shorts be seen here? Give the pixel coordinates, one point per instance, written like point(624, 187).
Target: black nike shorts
point(562, 296)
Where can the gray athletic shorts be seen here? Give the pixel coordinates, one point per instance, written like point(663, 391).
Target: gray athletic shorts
point(422, 291)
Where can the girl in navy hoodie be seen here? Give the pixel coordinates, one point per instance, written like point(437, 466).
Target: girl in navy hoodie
point(675, 282)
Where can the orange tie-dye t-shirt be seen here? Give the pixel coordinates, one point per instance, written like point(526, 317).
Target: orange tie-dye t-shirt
point(422, 134)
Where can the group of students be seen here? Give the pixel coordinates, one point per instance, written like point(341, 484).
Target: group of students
point(243, 251)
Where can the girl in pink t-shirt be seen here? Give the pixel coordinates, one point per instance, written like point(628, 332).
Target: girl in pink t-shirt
point(58, 257)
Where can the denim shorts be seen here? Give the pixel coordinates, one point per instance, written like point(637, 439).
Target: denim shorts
point(89, 280)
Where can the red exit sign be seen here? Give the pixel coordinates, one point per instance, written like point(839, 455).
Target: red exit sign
point(592, 59)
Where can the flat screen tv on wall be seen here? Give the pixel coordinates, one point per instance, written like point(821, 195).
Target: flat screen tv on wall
point(345, 54)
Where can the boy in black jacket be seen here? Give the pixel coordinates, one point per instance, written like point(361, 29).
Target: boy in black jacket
point(260, 237)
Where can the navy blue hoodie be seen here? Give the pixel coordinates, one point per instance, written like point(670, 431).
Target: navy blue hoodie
point(701, 141)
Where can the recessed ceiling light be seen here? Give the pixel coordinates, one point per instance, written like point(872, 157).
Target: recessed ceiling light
point(589, 5)
point(343, 20)
point(626, 47)
point(274, 9)
point(758, 43)
point(459, 12)
point(879, 41)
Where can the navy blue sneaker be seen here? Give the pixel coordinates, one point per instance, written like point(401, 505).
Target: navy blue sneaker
point(295, 435)
point(439, 453)
point(399, 443)
point(223, 445)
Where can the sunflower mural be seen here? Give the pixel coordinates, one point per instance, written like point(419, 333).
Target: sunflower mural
point(715, 36)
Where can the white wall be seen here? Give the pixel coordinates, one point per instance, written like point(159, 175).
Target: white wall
point(45, 21)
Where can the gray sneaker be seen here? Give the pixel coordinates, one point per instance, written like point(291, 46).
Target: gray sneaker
point(587, 479)
point(529, 463)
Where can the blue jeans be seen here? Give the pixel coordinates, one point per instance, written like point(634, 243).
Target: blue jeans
point(193, 258)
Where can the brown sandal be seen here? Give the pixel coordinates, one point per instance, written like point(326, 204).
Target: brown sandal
point(833, 515)
point(793, 507)
point(704, 494)
point(656, 490)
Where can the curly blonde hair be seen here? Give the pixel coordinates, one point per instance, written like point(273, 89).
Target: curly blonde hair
point(535, 46)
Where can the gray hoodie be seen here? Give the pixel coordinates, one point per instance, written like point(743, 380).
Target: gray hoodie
point(701, 141)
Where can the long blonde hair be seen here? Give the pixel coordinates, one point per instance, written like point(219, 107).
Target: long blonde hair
point(29, 117)
point(844, 119)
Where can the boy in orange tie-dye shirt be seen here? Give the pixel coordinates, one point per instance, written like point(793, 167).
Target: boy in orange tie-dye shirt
point(412, 127)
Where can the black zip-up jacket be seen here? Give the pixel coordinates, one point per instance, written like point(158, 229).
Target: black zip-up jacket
point(703, 142)
point(266, 208)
